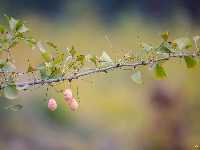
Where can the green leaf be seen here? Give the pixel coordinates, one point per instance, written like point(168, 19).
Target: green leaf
point(51, 65)
point(43, 69)
point(165, 35)
point(182, 43)
point(56, 74)
point(23, 29)
point(8, 37)
point(30, 41)
point(2, 29)
point(19, 35)
point(31, 69)
point(8, 67)
point(196, 38)
point(7, 18)
point(39, 44)
point(145, 47)
point(14, 107)
point(13, 23)
point(43, 73)
point(19, 25)
point(72, 52)
point(164, 48)
point(190, 61)
point(136, 77)
point(10, 91)
point(81, 58)
point(47, 56)
point(94, 59)
point(51, 44)
point(2, 63)
point(160, 72)
point(40, 66)
point(105, 60)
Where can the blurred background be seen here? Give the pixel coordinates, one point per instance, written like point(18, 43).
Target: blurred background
point(158, 115)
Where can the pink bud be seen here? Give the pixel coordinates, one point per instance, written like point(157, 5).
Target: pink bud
point(73, 105)
point(52, 104)
point(68, 94)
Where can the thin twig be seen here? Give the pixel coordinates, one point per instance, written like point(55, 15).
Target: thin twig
point(76, 76)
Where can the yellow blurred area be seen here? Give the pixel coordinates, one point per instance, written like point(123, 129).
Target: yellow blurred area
point(159, 114)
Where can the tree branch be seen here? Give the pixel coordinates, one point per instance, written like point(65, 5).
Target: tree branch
point(76, 76)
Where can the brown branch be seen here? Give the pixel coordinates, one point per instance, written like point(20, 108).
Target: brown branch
point(76, 76)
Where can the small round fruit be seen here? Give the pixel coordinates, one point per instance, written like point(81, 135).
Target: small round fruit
point(52, 105)
point(68, 94)
point(73, 105)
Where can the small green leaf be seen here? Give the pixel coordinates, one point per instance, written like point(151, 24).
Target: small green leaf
point(196, 38)
point(40, 66)
point(105, 60)
point(19, 25)
point(31, 69)
point(164, 48)
point(94, 59)
point(30, 41)
point(39, 44)
point(51, 65)
point(7, 18)
point(75, 67)
point(43, 73)
point(190, 61)
point(81, 58)
point(23, 29)
point(10, 91)
point(8, 67)
point(165, 35)
point(72, 52)
point(8, 37)
point(160, 72)
point(14, 107)
point(145, 47)
point(56, 74)
point(136, 77)
point(19, 35)
point(182, 43)
point(2, 29)
point(2, 63)
point(51, 44)
point(43, 69)
point(13, 23)
point(47, 56)
point(71, 64)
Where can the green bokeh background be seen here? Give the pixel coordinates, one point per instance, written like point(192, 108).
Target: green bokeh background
point(158, 115)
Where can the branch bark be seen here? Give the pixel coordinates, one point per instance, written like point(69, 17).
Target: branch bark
point(76, 76)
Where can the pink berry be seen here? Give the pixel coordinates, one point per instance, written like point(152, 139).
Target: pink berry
point(68, 94)
point(73, 105)
point(52, 104)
